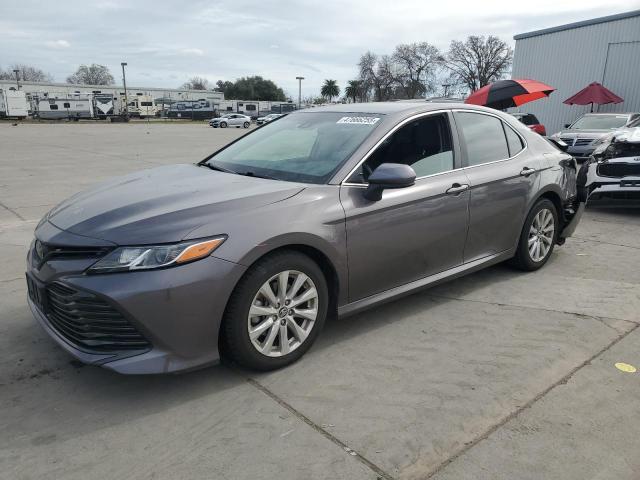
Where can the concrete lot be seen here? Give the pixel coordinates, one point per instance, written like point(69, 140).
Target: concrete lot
point(499, 375)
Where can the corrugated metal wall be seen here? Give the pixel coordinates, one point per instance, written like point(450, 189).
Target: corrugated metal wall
point(569, 60)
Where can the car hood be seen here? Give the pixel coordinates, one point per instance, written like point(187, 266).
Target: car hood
point(164, 204)
point(584, 133)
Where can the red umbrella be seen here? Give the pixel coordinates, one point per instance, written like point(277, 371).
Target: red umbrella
point(593, 93)
point(509, 93)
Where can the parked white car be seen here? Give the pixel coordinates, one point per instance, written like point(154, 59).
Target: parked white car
point(231, 120)
point(268, 118)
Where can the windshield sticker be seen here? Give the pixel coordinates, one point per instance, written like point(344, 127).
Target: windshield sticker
point(359, 120)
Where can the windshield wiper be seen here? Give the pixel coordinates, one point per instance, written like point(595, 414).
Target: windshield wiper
point(256, 175)
point(218, 168)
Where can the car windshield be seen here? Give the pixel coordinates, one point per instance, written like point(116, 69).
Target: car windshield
point(305, 147)
point(600, 122)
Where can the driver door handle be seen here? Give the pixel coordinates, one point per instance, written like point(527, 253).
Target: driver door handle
point(457, 188)
point(526, 171)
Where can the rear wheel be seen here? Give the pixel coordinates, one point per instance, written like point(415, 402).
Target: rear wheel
point(276, 312)
point(246, 125)
point(538, 236)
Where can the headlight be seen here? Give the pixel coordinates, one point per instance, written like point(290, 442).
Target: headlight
point(147, 257)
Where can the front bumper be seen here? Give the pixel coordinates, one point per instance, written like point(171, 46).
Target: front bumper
point(178, 310)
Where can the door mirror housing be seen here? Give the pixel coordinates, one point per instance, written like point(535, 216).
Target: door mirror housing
point(389, 175)
point(567, 125)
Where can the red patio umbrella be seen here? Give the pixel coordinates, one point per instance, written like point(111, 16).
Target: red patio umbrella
point(593, 93)
point(509, 93)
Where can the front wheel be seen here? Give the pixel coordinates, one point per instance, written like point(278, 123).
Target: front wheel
point(276, 312)
point(538, 236)
point(223, 124)
point(246, 125)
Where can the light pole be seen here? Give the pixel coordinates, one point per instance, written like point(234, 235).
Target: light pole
point(17, 72)
point(126, 99)
point(299, 90)
point(446, 89)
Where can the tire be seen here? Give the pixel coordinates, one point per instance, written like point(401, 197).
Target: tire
point(542, 216)
point(223, 124)
point(246, 125)
point(247, 299)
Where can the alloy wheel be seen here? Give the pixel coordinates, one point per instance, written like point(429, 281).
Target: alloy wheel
point(282, 313)
point(541, 235)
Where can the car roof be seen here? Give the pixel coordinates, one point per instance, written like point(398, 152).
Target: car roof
point(394, 107)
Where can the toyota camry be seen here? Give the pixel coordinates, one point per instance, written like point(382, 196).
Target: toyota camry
point(322, 213)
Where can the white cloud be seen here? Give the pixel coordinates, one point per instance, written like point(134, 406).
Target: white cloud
point(192, 51)
point(57, 44)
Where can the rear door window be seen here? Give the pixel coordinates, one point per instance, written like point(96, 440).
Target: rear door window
point(513, 141)
point(483, 136)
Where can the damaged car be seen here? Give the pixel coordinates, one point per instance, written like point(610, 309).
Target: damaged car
point(613, 171)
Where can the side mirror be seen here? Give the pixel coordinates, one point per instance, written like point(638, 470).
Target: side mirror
point(567, 125)
point(389, 175)
point(558, 143)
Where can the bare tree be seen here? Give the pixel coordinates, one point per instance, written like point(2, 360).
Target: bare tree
point(196, 83)
point(378, 74)
point(93, 74)
point(479, 61)
point(416, 65)
point(27, 73)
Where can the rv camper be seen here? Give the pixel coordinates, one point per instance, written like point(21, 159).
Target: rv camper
point(73, 108)
point(105, 105)
point(142, 106)
point(13, 103)
point(192, 109)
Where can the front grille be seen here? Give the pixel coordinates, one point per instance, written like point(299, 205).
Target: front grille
point(567, 140)
point(583, 142)
point(44, 252)
point(89, 322)
point(619, 170)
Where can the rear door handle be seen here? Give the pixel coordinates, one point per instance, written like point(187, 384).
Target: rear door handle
point(526, 171)
point(457, 188)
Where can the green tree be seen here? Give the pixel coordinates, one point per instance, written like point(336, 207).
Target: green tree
point(330, 89)
point(252, 88)
point(353, 90)
point(91, 75)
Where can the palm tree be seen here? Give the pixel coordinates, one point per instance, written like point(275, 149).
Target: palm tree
point(353, 90)
point(330, 89)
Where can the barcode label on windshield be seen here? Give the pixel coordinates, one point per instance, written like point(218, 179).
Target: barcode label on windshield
point(359, 120)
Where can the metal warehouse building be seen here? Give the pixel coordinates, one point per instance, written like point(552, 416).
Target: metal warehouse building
point(569, 57)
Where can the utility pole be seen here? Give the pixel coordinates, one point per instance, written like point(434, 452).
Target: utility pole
point(17, 72)
point(446, 89)
point(126, 99)
point(299, 90)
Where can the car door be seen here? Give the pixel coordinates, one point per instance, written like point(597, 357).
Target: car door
point(503, 175)
point(412, 232)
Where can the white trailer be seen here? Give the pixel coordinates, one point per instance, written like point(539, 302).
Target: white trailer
point(142, 106)
point(72, 108)
point(13, 103)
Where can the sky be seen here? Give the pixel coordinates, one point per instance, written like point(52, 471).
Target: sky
point(167, 42)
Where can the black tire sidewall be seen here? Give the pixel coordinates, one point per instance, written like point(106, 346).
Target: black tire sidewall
point(522, 256)
point(246, 124)
point(223, 125)
point(237, 344)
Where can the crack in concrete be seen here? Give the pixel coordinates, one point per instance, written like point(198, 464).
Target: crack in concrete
point(328, 435)
point(11, 210)
point(542, 309)
point(585, 239)
point(495, 427)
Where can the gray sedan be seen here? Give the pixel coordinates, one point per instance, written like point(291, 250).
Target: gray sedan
point(324, 212)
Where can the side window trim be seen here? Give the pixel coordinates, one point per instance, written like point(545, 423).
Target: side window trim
point(454, 144)
point(463, 143)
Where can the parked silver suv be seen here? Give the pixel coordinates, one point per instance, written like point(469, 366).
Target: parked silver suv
point(322, 212)
point(582, 136)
